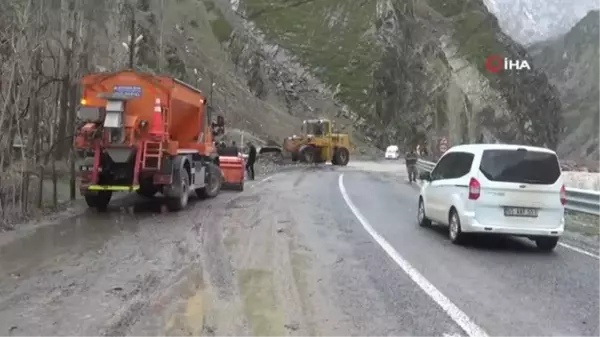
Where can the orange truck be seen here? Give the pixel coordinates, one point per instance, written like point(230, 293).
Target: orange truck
point(148, 134)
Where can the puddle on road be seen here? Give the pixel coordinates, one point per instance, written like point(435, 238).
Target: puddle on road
point(88, 231)
point(243, 202)
point(75, 235)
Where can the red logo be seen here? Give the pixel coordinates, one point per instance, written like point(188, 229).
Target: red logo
point(494, 63)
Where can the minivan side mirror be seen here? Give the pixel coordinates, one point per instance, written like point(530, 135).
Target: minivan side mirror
point(425, 176)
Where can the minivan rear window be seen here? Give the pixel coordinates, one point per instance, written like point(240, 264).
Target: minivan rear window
point(520, 166)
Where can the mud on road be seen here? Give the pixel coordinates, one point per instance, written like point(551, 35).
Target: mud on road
point(284, 257)
point(233, 265)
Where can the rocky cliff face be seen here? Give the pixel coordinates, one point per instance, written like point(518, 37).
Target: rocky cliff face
point(538, 20)
point(571, 62)
point(414, 70)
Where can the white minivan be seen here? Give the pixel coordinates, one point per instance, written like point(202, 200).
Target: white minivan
point(496, 188)
point(392, 152)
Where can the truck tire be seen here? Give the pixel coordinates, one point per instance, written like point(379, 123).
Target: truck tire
point(146, 193)
point(90, 200)
point(334, 158)
point(213, 182)
point(179, 202)
point(147, 189)
point(342, 156)
point(98, 200)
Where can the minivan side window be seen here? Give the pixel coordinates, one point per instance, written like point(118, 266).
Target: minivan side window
point(439, 171)
point(440, 167)
point(520, 166)
point(460, 165)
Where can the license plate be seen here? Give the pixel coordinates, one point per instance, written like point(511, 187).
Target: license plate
point(521, 211)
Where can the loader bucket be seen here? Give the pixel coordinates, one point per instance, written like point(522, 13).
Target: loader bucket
point(233, 169)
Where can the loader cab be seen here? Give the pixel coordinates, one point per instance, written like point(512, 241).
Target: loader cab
point(317, 127)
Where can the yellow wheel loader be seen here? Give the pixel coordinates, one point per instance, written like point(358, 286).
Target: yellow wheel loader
point(318, 144)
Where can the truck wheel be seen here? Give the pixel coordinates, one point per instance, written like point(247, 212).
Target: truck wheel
point(147, 191)
point(213, 183)
point(98, 200)
point(342, 156)
point(178, 203)
point(334, 158)
point(90, 200)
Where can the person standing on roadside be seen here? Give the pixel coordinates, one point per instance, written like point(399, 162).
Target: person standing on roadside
point(411, 165)
point(251, 160)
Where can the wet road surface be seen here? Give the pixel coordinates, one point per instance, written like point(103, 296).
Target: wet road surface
point(288, 256)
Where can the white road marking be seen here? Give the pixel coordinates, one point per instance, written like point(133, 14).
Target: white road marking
point(260, 182)
point(457, 315)
point(578, 250)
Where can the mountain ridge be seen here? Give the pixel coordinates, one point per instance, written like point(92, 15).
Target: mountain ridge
point(534, 21)
point(571, 62)
point(414, 71)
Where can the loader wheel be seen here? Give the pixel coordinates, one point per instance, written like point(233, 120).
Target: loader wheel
point(213, 182)
point(309, 154)
point(333, 158)
point(178, 203)
point(342, 156)
point(294, 157)
point(99, 200)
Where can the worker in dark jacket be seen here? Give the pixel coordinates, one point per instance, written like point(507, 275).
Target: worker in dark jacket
point(251, 160)
point(411, 165)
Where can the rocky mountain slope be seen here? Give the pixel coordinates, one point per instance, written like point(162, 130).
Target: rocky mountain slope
point(253, 91)
point(394, 71)
point(414, 70)
point(529, 21)
point(188, 39)
point(571, 62)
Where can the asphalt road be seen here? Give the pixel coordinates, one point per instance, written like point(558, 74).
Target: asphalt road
point(313, 251)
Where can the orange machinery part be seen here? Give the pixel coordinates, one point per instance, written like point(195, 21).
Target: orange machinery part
point(186, 109)
point(233, 169)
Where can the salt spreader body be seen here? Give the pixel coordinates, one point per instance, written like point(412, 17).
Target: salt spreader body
point(148, 134)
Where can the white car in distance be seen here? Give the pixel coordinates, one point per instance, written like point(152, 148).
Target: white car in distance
point(392, 152)
point(497, 189)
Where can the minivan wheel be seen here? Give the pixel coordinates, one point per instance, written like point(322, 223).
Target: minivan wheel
point(454, 229)
point(546, 244)
point(421, 216)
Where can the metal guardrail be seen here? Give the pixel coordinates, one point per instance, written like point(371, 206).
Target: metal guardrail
point(578, 200)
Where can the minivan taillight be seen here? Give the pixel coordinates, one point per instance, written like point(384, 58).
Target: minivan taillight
point(474, 189)
point(563, 195)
